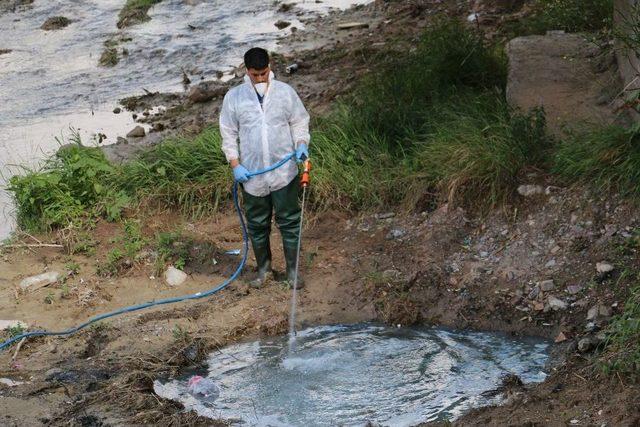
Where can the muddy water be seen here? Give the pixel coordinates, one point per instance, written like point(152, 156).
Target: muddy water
point(51, 80)
point(351, 375)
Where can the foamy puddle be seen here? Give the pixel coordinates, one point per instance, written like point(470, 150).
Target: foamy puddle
point(351, 375)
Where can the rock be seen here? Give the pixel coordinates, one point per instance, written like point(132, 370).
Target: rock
point(527, 190)
point(281, 25)
point(556, 304)
point(117, 110)
point(385, 215)
point(560, 338)
point(40, 281)
point(10, 383)
point(550, 264)
point(587, 344)
point(121, 140)
point(604, 311)
point(510, 275)
point(174, 277)
point(137, 132)
point(286, 7)
point(599, 310)
point(574, 289)
point(395, 233)
point(5, 51)
point(604, 267)
point(55, 23)
point(205, 92)
point(8, 324)
point(547, 285)
point(534, 292)
point(352, 25)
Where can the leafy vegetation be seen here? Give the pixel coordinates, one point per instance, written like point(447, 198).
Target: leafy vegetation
point(73, 185)
point(172, 247)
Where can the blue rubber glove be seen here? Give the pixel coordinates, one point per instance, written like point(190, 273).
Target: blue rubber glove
point(241, 174)
point(302, 153)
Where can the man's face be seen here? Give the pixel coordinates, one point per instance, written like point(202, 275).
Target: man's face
point(259, 76)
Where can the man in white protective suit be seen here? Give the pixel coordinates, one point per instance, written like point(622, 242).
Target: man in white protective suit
point(262, 121)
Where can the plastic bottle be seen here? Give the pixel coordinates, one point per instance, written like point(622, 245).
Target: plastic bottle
point(204, 387)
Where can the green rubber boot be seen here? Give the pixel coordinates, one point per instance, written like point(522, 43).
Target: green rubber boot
point(263, 261)
point(290, 255)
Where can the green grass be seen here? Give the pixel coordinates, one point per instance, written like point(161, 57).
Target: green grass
point(623, 343)
point(568, 15)
point(606, 157)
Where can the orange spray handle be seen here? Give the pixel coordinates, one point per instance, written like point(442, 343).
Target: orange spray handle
point(306, 179)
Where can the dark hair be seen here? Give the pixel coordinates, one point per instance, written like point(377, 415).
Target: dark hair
point(256, 58)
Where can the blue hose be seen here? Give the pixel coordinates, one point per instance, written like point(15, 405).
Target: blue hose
point(198, 295)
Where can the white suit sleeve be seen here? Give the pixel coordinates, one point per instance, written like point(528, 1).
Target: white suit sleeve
point(298, 120)
point(229, 129)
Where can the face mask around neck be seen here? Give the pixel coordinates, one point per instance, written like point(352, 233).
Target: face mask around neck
point(261, 88)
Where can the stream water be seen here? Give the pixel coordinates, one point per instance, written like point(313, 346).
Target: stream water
point(351, 375)
point(51, 80)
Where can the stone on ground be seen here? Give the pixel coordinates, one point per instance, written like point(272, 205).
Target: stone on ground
point(41, 280)
point(174, 277)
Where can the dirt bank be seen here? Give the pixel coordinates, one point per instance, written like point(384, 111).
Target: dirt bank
point(537, 267)
point(435, 268)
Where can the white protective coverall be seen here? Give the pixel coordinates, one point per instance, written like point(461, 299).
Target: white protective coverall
point(267, 132)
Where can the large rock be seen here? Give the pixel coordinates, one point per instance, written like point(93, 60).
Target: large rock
point(136, 132)
point(205, 92)
point(557, 72)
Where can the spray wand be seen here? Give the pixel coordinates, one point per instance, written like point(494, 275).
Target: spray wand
point(304, 183)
